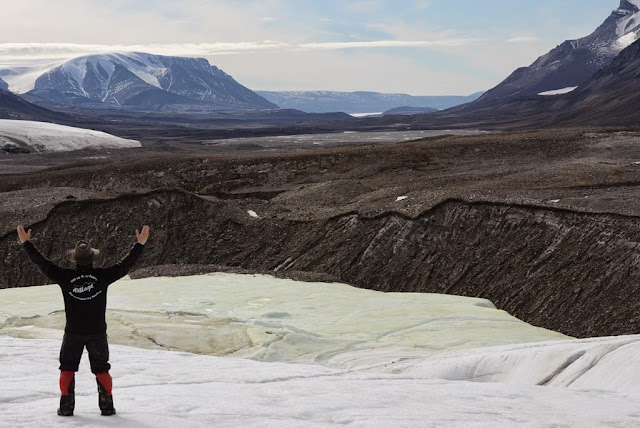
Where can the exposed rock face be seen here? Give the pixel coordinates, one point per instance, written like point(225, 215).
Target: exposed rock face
point(145, 81)
point(3, 85)
point(572, 62)
point(14, 107)
point(535, 263)
point(607, 98)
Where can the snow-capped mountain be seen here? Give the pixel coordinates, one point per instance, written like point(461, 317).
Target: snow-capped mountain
point(574, 61)
point(139, 80)
point(609, 97)
point(4, 85)
point(359, 102)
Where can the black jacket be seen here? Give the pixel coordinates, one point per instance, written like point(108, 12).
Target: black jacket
point(84, 288)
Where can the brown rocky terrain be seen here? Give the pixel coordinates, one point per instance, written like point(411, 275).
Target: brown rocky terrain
point(543, 223)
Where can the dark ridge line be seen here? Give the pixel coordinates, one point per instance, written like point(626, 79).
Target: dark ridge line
point(594, 186)
point(364, 217)
point(231, 158)
point(489, 203)
point(124, 196)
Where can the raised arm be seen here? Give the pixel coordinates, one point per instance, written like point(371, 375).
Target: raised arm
point(50, 269)
point(120, 269)
point(143, 236)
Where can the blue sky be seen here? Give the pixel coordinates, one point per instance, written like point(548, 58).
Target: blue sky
point(420, 47)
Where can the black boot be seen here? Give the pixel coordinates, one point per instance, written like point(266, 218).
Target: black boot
point(68, 402)
point(105, 401)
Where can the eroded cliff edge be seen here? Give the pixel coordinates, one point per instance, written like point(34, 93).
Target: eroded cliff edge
point(570, 271)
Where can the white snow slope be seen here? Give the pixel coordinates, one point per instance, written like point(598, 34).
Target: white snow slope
point(49, 137)
point(391, 360)
point(559, 91)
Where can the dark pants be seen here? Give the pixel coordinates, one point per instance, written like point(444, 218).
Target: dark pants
point(97, 347)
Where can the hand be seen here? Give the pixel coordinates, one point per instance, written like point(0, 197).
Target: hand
point(22, 235)
point(143, 236)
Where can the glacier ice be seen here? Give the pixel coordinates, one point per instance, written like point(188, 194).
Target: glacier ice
point(49, 137)
point(271, 319)
point(379, 359)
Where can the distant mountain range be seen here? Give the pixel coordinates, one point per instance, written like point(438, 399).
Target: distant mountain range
point(602, 67)
point(572, 62)
point(137, 81)
point(359, 102)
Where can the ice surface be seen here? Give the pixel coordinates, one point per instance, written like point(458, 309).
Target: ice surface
point(380, 359)
point(272, 319)
point(49, 137)
point(608, 363)
point(172, 389)
point(559, 91)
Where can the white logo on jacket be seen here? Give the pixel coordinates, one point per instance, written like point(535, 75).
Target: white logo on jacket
point(86, 286)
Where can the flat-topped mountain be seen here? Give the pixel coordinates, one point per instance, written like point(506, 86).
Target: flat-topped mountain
point(139, 81)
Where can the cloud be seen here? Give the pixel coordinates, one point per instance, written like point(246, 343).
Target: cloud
point(10, 52)
point(523, 39)
point(421, 4)
point(389, 44)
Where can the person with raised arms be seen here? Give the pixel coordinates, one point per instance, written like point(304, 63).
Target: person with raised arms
point(84, 289)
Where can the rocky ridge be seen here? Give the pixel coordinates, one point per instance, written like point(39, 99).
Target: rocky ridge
point(572, 62)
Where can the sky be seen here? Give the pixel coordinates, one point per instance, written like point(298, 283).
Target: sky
point(419, 47)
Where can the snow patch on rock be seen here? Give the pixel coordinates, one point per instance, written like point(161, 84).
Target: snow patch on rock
point(558, 91)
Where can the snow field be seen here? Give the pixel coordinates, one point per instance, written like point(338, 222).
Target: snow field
point(321, 355)
point(49, 137)
point(172, 389)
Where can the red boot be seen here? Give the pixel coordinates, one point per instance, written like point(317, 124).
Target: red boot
point(105, 399)
point(67, 391)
